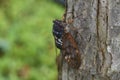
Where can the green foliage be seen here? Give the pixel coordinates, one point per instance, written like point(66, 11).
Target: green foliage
point(26, 41)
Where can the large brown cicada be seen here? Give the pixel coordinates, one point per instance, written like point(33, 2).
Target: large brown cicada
point(67, 44)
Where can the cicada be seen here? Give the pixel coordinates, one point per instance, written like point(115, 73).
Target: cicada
point(67, 44)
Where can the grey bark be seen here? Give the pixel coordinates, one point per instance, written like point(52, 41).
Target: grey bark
point(98, 25)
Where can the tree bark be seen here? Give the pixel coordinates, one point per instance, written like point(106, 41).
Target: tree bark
point(97, 23)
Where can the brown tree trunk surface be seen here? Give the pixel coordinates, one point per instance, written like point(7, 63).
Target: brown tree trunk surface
point(98, 25)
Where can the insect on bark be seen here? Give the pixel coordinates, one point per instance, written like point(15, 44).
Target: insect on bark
point(67, 44)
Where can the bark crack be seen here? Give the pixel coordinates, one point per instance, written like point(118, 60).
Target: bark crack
point(97, 25)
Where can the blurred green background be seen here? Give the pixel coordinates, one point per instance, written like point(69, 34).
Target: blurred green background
point(27, 50)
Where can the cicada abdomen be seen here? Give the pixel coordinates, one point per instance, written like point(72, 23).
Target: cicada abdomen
point(71, 52)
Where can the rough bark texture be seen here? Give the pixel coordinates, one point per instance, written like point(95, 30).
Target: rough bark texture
point(98, 25)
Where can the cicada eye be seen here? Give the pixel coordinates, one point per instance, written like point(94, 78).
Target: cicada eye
point(58, 34)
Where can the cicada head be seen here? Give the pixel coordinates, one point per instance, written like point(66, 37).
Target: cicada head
point(58, 31)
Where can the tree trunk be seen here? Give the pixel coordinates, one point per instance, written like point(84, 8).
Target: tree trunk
point(97, 23)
